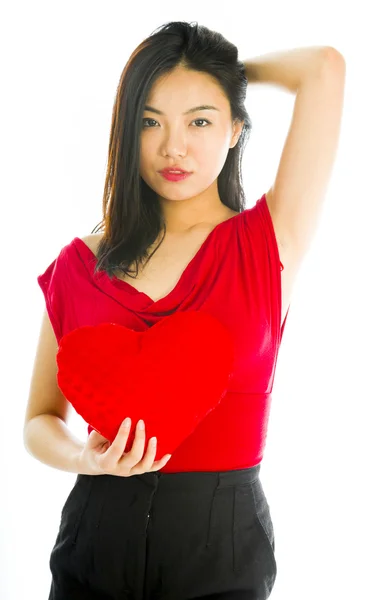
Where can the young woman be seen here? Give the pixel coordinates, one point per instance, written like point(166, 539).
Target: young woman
point(195, 524)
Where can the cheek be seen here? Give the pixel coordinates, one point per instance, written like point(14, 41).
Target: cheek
point(143, 152)
point(212, 156)
point(148, 145)
point(214, 146)
point(146, 159)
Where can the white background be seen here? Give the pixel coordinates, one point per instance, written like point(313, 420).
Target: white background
point(61, 62)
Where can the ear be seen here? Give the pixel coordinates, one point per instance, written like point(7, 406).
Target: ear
point(237, 129)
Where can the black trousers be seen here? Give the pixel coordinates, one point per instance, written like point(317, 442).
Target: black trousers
point(173, 536)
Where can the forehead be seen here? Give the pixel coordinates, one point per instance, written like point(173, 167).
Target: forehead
point(182, 89)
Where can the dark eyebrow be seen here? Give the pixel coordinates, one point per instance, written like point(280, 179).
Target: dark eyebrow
point(187, 112)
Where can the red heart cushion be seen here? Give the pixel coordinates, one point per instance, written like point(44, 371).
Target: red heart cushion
point(171, 375)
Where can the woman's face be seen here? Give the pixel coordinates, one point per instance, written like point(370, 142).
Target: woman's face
point(198, 141)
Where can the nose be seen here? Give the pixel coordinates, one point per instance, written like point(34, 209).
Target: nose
point(174, 143)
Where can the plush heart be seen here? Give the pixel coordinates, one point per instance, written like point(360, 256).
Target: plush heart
point(171, 375)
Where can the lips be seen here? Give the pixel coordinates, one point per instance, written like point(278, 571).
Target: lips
point(174, 172)
point(175, 176)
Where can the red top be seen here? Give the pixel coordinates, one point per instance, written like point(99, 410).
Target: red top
point(235, 276)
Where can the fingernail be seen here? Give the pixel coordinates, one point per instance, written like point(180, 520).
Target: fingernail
point(127, 422)
point(141, 424)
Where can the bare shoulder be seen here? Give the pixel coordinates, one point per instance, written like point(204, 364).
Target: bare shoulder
point(92, 240)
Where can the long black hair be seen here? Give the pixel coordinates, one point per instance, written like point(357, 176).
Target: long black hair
point(132, 215)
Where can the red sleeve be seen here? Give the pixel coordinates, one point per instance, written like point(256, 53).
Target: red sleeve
point(52, 284)
point(260, 223)
point(263, 258)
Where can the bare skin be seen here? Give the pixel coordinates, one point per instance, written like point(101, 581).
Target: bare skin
point(99, 457)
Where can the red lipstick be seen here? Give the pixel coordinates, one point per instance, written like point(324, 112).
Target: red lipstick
point(174, 174)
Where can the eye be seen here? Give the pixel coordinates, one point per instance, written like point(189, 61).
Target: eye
point(206, 121)
point(196, 120)
point(147, 119)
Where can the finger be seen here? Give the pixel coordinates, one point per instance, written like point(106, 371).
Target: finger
point(137, 450)
point(94, 433)
point(95, 438)
point(149, 457)
point(116, 449)
point(159, 464)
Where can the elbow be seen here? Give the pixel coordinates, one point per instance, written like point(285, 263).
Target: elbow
point(333, 57)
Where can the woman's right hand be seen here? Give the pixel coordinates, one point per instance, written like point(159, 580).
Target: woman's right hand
point(99, 457)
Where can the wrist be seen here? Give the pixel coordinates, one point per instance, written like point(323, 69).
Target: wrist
point(82, 467)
